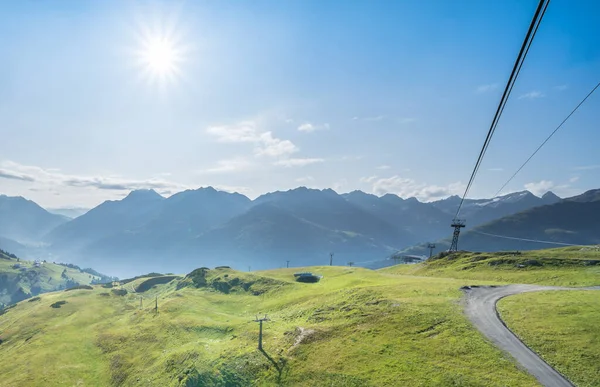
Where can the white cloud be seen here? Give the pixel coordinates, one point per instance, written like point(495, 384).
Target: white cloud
point(383, 167)
point(305, 179)
point(46, 178)
point(298, 162)
point(309, 127)
point(247, 131)
point(374, 118)
point(230, 165)
point(339, 185)
point(532, 95)
point(351, 158)
point(274, 147)
point(540, 187)
point(405, 187)
point(368, 179)
point(232, 189)
point(485, 88)
point(574, 179)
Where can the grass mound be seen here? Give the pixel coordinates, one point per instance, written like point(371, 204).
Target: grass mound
point(569, 266)
point(80, 287)
point(226, 280)
point(153, 281)
point(119, 292)
point(58, 304)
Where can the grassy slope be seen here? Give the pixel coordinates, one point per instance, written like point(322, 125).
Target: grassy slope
point(562, 327)
point(46, 278)
point(370, 329)
point(570, 266)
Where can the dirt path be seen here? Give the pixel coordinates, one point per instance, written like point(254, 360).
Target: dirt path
point(481, 310)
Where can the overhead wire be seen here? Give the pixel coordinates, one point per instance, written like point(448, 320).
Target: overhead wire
point(533, 27)
point(547, 138)
point(527, 240)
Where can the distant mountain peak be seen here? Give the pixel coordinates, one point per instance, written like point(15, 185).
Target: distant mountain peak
point(144, 194)
point(550, 197)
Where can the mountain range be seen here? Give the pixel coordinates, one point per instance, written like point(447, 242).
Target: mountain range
point(148, 232)
point(571, 221)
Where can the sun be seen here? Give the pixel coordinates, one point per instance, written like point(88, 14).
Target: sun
point(160, 56)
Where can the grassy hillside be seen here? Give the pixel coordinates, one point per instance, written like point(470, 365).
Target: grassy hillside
point(354, 328)
point(570, 266)
point(21, 279)
point(562, 327)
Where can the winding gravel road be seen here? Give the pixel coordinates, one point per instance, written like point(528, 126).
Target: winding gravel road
point(481, 310)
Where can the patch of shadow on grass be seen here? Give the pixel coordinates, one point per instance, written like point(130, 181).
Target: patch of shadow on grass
point(104, 294)
point(34, 299)
point(108, 342)
point(119, 370)
point(329, 379)
point(119, 292)
point(58, 304)
point(82, 287)
point(6, 309)
point(429, 330)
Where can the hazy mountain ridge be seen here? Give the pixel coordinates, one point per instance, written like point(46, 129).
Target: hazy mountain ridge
point(207, 226)
point(24, 221)
point(574, 220)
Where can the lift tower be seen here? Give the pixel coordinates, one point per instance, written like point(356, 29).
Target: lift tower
point(431, 246)
point(457, 224)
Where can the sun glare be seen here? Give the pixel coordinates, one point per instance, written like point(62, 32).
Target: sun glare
point(160, 56)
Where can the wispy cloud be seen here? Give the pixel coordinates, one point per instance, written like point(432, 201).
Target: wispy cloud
point(383, 167)
point(298, 162)
point(305, 179)
point(405, 187)
point(374, 118)
point(540, 187)
point(248, 132)
point(586, 168)
point(236, 164)
point(5, 174)
point(368, 179)
point(532, 95)
point(379, 118)
point(309, 127)
point(406, 120)
point(47, 178)
point(485, 88)
point(232, 189)
point(574, 179)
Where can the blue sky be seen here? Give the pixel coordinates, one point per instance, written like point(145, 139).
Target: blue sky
point(382, 96)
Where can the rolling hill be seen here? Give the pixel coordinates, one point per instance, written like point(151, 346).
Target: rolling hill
point(401, 326)
point(354, 328)
point(21, 279)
